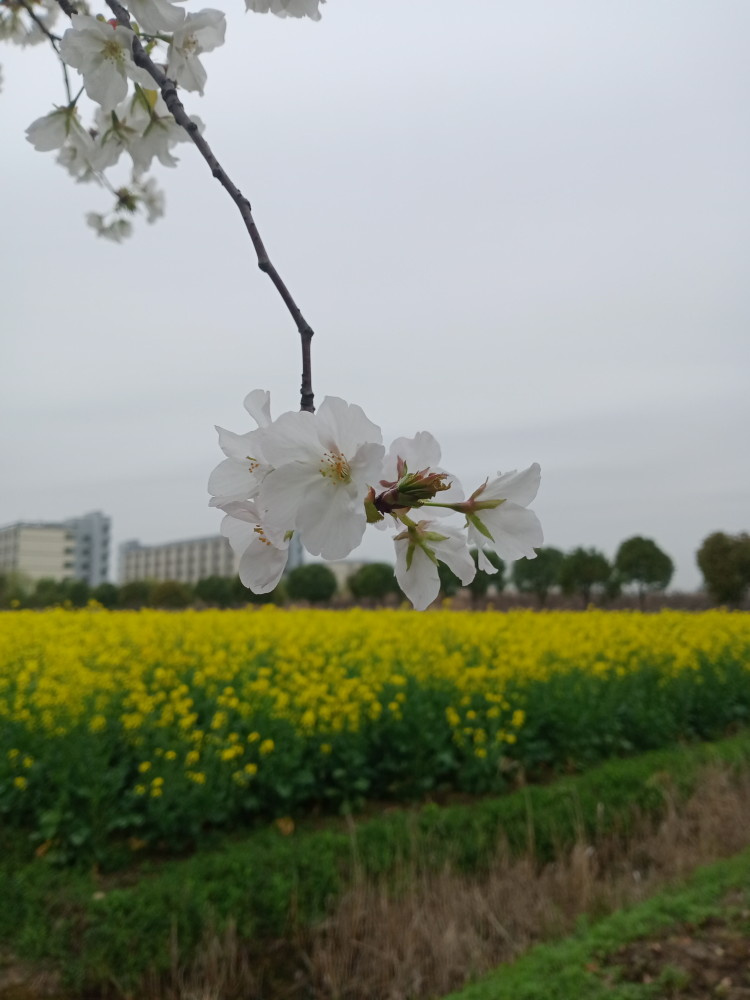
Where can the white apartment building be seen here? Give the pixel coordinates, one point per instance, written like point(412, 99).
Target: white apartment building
point(74, 549)
point(186, 561)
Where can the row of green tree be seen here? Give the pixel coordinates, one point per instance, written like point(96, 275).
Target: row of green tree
point(220, 591)
point(584, 573)
point(724, 561)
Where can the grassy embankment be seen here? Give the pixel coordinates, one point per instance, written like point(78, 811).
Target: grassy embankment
point(596, 963)
point(277, 905)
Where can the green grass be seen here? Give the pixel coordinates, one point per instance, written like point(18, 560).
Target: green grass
point(569, 969)
point(117, 927)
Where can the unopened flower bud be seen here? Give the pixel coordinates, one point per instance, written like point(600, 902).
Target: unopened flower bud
point(410, 490)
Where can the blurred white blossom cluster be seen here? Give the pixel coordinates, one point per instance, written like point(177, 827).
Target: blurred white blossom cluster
point(129, 123)
point(327, 476)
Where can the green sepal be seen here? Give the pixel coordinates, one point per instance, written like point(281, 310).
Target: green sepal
point(481, 527)
point(430, 554)
point(434, 536)
point(147, 98)
point(126, 201)
point(429, 536)
point(410, 556)
point(486, 504)
point(372, 513)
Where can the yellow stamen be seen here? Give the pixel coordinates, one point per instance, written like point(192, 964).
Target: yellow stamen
point(262, 535)
point(335, 466)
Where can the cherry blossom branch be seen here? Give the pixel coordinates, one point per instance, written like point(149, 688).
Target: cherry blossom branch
point(53, 40)
point(177, 110)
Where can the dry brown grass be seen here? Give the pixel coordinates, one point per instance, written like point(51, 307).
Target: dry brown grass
point(441, 930)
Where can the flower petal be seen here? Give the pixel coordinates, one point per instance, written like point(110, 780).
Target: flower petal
point(483, 562)
point(420, 452)
point(231, 480)
point(344, 427)
point(258, 405)
point(454, 552)
point(332, 520)
point(515, 530)
point(520, 487)
point(262, 566)
point(243, 448)
point(247, 511)
point(292, 437)
point(420, 582)
point(284, 491)
point(365, 466)
point(239, 533)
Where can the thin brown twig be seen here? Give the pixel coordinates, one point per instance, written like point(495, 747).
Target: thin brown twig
point(54, 41)
point(177, 110)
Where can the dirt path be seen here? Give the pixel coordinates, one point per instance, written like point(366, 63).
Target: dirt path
point(692, 962)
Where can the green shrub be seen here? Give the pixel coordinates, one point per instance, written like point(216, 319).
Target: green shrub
point(374, 581)
point(135, 594)
point(107, 594)
point(315, 583)
point(171, 594)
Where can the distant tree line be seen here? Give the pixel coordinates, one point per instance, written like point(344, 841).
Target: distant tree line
point(314, 583)
point(584, 574)
point(224, 592)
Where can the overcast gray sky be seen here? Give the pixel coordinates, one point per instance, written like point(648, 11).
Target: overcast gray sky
point(520, 226)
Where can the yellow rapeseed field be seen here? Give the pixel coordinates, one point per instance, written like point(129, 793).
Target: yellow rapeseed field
point(264, 709)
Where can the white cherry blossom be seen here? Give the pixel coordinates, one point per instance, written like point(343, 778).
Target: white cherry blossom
point(239, 476)
point(16, 26)
point(497, 519)
point(159, 136)
point(103, 54)
point(61, 129)
point(419, 548)
point(286, 8)
point(151, 198)
point(102, 51)
point(199, 33)
point(324, 465)
point(76, 157)
point(117, 130)
point(313, 474)
point(116, 230)
point(263, 554)
point(142, 127)
point(154, 16)
point(52, 131)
